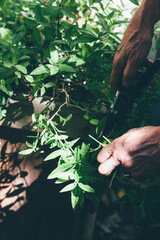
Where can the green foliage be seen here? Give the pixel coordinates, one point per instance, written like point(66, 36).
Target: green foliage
point(64, 49)
point(74, 164)
point(135, 2)
point(58, 41)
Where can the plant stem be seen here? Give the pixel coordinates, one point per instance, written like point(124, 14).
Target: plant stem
point(96, 140)
point(107, 139)
point(59, 109)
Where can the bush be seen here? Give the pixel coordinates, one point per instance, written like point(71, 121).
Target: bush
point(64, 49)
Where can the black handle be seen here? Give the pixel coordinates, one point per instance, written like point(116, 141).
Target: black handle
point(126, 97)
point(145, 78)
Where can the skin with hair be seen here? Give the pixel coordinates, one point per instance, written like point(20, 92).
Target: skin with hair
point(135, 44)
point(138, 150)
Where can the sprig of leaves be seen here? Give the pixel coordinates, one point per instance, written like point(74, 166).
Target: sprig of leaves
point(73, 167)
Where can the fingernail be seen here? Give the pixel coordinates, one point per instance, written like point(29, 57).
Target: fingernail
point(101, 170)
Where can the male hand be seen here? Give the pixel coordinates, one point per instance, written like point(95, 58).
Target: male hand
point(138, 151)
point(132, 52)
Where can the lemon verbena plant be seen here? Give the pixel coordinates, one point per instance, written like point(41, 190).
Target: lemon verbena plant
point(64, 50)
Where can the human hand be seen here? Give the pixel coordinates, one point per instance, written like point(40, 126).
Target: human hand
point(132, 52)
point(138, 151)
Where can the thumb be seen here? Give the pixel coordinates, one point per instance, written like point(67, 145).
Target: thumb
point(108, 166)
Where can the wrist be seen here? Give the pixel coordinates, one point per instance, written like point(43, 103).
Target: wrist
point(158, 133)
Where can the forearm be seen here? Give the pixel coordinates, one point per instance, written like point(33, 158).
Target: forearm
point(135, 45)
point(144, 19)
point(148, 13)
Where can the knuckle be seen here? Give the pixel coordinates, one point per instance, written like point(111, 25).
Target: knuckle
point(127, 160)
point(127, 82)
point(98, 158)
point(116, 60)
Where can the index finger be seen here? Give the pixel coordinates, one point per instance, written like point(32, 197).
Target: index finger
point(117, 72)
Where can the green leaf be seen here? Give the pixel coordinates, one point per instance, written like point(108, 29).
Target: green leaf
point(29, 78)
point(7, 64)
point(85, 39)
point(30, 22)
point(53, 11)
point(43, 90)
point(62, 137)
point(94, 122)
point(29, 144)
point(109, 16)
point(3, 3)
point(5, 90)
point(61, 60)
point(36, 37)
point(39, 70)
point(76, 60)
point(84, 151)
point(61, 168)
point(64, 120)
point(23, 58)
point(2, 113)
point(59, 181)
point(72, 143)
point(26, 152)
point(90, 2)
point(18, 37)
point(63, 2)
point(102, 21)
point(123, 4)
point(66, 68)
point(5, 34)
point(18, 74)
point(50, 84)
point(54, 154)
point(68, 117)
point(64, 175)
point(53, 70)
point(61, 42)
point(95, 85)
point(85, 52)
point(2, 100)
point(21, 68)
point(39, 13)
point(4, 44)
point(68, 12)
point(110, 95)
point(72, 59)
point(80, 62)
point(54, 54)
point(58, 137)
point(86, 116)
point(75, 196)
point(87, 33)
point(69, 187)
point(85, 187)
point(134, 2)
point(5, 72)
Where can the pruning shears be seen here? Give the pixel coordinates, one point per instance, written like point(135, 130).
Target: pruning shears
point(125, 98)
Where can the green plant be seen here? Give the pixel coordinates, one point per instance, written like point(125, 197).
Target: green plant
point(64, 49)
